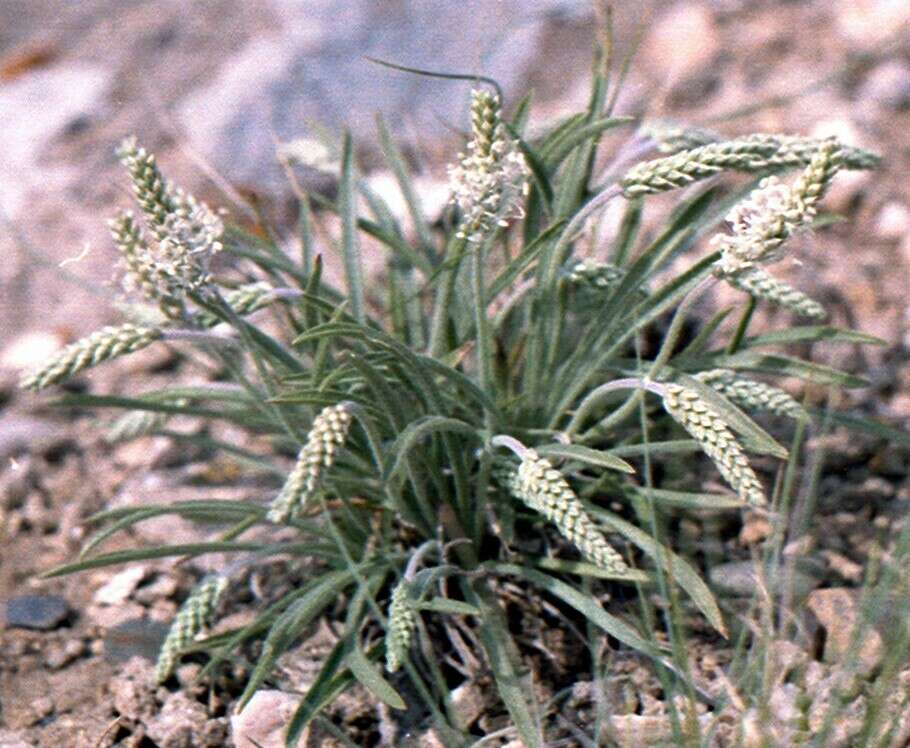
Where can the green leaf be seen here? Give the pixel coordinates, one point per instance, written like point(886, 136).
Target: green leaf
point(757, 438)
point(669, 447)
point(679, 570)
point(787, 366)
point(581, 602)
point(696, 500)
point(371, 679)
point(143, 554)
point(419, 430)
point(350, 246)
point(333, 680)
point(584, 454)
point(867, 425)
point(502, 655)
point(558, 150)
point(448, 607)
point(585, 569)
point(811, 334)
point(291, 623)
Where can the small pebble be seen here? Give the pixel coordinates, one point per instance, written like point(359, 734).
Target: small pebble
point(60, 655)
point(136, 637)
point(38, 612)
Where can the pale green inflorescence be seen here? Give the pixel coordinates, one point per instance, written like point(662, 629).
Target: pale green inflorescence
point(490, 182)
point(599, 275)
point(686, 167)
point(195, 615)
point(691, 412)
point(102, 345)
point(752, 394)
point(751, 154)
point(762, 285)
point(186, 231)
point(402, 622)
point(243, 300)
point(543, 488)
point(773, 212)
point(672, 136)
point(328, 433)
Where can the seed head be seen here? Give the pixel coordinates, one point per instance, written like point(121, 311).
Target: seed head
point(187, 233)
point(752, 394)
point(691, 412)
point(195, 615)
point(243, 300)
point(328, 434)
point(490, 183)
point(762, 285)
point(686, 167)
point(102, 345)
point(402, 622)
point(543, 488)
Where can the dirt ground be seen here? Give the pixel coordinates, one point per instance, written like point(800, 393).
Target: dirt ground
point(81, 682)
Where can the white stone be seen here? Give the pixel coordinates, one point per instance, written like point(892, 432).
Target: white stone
point(870, 23)
point(893, 221)
point(682, 42)
point(30, 350)
point(118, 590)
point(34, 108)
point(263, 721)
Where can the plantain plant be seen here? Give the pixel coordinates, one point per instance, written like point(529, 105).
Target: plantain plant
point(496, 410)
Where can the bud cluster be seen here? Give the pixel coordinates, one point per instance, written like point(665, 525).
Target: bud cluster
point(691, 412)
point(195, 615)
point(328, 434)
point(490, 183)
point(402, 622)
point(752, 394)
point(102, 345)
point(543, 488)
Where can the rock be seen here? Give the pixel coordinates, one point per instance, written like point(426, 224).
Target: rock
point(183, 722)
point(783, 658)
point(42, 707)
point(120, 587)
point(682, 42)
point(132, 689)
point(313, 69)
point(755, 529)
point(38, 612)
point(630, 730)
point(467, 705)
point(60, 655)
point(888, 85)
point(869, 23)
point(847, 190)
point(135, 638)
point(30, 350)
point(34, 109)
point(19, 434)
point(742, 579)
point(162, 588)
point(892, 221)
point(837, 612)
point(14, 739)
point(263, 721)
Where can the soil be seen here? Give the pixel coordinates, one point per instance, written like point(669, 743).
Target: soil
point(85, 683)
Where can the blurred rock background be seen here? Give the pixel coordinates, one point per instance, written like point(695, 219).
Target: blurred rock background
point(211, 87)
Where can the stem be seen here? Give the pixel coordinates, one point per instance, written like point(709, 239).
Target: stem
point(741, 328)
point(198, 336)
point(443, 299)
point(484, 347)
point(598, 394)
point(676, 325)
